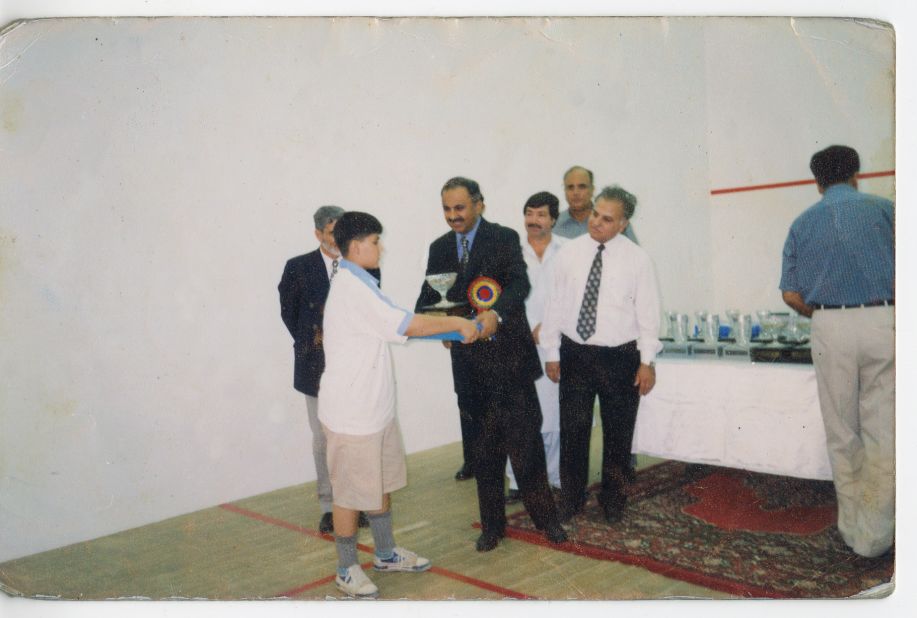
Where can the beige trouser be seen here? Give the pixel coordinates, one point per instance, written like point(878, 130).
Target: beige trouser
point(854, 355)
point(364, 468)
point(320, 455)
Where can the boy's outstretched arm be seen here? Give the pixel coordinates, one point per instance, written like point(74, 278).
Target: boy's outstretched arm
point(423, 325)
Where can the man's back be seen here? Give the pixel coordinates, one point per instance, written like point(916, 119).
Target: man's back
point(844, 248)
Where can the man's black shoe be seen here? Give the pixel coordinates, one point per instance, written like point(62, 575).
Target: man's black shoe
point(362, 521)
point(613, 514)
point(488, 540)
point(464, 473)
point(513, 496)
point(555, 533)
point(326, 525)
point(566, 512)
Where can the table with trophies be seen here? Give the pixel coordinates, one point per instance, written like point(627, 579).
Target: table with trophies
point(736, 394)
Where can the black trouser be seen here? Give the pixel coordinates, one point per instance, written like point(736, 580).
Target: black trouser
point(587, 371)
point(510, 425)
point(469, 412)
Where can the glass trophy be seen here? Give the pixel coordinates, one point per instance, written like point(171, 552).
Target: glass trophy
point(442, 283)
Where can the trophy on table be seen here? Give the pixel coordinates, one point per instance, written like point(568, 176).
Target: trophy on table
point(442, 283)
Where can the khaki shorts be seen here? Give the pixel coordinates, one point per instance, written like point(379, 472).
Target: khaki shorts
point(364, 468)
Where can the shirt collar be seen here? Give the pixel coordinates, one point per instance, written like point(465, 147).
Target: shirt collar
point(470, 235)
point(328, 261)
point(553, 246)
point(839, 190)
point(359, 272)
point(614, 240)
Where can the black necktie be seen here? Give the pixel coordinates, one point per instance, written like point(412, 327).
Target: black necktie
point(334, 268)
point(585, 324)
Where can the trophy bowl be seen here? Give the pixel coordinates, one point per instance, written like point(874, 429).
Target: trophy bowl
point(442, 283)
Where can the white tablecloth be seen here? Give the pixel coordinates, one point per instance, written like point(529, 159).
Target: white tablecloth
point(756, 416)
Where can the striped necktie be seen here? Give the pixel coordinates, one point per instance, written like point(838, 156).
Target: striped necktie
point(585, 324)
point(463, 262)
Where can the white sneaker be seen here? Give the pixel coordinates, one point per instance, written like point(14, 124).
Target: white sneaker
point(402, 560)
point(356, 584)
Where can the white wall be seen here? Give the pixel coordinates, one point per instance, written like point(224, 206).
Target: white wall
point(158, 173)
point(777, 91)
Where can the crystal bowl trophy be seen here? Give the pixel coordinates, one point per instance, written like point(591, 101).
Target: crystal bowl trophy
point(442, 283)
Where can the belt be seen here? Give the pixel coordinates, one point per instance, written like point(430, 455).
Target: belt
point(624, 347)
point(875, 303)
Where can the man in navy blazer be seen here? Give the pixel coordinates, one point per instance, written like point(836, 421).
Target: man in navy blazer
point(494, 378)
point(303, 290)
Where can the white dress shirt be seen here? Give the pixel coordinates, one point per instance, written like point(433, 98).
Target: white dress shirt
point(329, 263)
point(628, 304)
point(537, 270)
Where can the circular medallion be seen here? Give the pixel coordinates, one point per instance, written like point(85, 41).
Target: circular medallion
point(483, 293)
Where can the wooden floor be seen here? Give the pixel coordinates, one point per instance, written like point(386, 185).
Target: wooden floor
point(267, 546)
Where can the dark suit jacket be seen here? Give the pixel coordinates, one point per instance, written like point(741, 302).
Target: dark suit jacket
point(511, 356)
point(303, 291)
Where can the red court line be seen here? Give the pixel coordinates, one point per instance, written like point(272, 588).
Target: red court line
point(793, 183)
point(317, 583)
point(285, 524)
point(506, 592)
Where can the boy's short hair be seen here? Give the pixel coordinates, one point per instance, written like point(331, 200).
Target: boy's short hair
point(354, 225)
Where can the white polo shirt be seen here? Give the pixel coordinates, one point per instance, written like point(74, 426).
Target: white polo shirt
point(357, 391)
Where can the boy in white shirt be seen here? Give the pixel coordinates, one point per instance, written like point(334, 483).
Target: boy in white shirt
point(356, 402)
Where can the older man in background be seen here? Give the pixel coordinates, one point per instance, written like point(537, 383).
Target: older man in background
point(578, 191)
point(303, 290)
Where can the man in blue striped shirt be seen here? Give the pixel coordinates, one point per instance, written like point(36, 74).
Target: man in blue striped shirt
point(839, 268)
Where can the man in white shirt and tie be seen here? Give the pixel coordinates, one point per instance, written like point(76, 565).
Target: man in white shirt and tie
point(600, 334)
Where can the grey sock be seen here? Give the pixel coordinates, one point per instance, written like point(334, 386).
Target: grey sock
point(347, 550)
point(381, 525)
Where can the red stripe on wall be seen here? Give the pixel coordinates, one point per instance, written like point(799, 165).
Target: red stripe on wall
point(793, 183)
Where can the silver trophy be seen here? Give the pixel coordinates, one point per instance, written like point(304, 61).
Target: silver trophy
point(743, 330)
point(442, 283)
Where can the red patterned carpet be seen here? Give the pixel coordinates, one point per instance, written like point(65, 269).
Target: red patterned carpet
point(749, 534)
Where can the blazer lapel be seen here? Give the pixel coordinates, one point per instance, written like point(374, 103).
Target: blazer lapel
point(320, 272)
point(479, 250)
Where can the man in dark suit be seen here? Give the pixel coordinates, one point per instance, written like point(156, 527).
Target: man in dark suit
point(494, 378)
point(303, 290)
